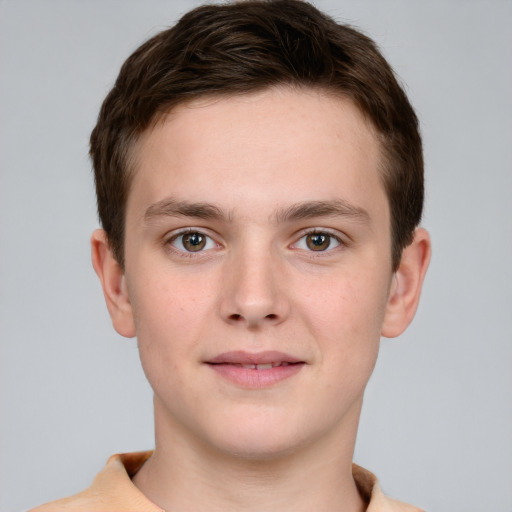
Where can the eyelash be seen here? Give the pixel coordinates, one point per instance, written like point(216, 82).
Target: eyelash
point(169, 242)
point(321, 231)
point(183, 252)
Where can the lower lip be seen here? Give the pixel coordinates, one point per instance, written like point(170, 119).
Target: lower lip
point(256, 379)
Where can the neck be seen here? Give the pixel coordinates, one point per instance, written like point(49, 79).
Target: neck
point(182, 475)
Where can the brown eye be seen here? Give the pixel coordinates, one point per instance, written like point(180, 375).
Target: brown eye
point(318, 241)
point(194, 242)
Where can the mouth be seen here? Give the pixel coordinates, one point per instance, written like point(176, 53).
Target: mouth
point(255, 370)
point(262, 366)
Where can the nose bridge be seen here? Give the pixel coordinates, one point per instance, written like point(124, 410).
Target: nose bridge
point(253, 291)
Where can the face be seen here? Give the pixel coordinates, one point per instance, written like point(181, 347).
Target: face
point(258, 269)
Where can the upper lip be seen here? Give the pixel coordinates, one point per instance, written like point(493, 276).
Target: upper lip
point(242, 357)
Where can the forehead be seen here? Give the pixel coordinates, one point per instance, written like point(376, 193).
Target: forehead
point(279, 143)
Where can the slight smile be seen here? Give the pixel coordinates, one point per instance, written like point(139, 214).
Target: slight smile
point(255, 370)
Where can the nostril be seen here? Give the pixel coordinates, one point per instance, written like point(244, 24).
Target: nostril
point(237, 317)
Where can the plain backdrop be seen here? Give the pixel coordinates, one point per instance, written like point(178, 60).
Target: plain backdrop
point(437, 421)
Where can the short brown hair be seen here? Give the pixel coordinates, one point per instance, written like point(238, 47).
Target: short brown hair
point(243, 47)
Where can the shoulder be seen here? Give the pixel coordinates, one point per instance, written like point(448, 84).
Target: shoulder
point(112, 490)
point(78, 503)
point(370, 489)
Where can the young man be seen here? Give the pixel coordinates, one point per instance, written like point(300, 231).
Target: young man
point(260, 182)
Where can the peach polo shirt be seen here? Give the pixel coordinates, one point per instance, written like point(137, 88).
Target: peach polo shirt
point(113, 491)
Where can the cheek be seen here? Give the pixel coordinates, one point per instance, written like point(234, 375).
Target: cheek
point(166, 300)
point(346, 322)
point(169, 331)
point(170, 318)
point(352, 307)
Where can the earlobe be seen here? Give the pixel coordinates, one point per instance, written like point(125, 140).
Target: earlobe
point(113, 282)
point(405, 289)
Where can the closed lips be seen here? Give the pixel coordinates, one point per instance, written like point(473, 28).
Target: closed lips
point(262, 366)
point(255, 361)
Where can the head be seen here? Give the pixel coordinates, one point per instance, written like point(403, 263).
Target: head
point(245, 47)
point(259, 183)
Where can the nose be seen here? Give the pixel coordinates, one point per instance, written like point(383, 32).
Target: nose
point(254, 292)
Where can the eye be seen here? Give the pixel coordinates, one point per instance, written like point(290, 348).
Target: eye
point(192, 241)
point(318, 241)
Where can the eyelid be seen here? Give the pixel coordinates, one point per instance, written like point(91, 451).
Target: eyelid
point(342, 241)
point(174, 235)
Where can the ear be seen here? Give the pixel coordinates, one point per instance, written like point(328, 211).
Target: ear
point(113, 282)
point(405, 289)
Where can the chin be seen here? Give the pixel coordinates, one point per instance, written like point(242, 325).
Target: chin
point(263, 448)
point(260, 438)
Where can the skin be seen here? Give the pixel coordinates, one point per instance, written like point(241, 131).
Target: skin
point(255, 286)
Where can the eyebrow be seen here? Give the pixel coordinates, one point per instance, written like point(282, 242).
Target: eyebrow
point(311, 209)
point(172, 208)
point(305, 210)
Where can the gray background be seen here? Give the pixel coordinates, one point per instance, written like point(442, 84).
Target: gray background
point(437, 422)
